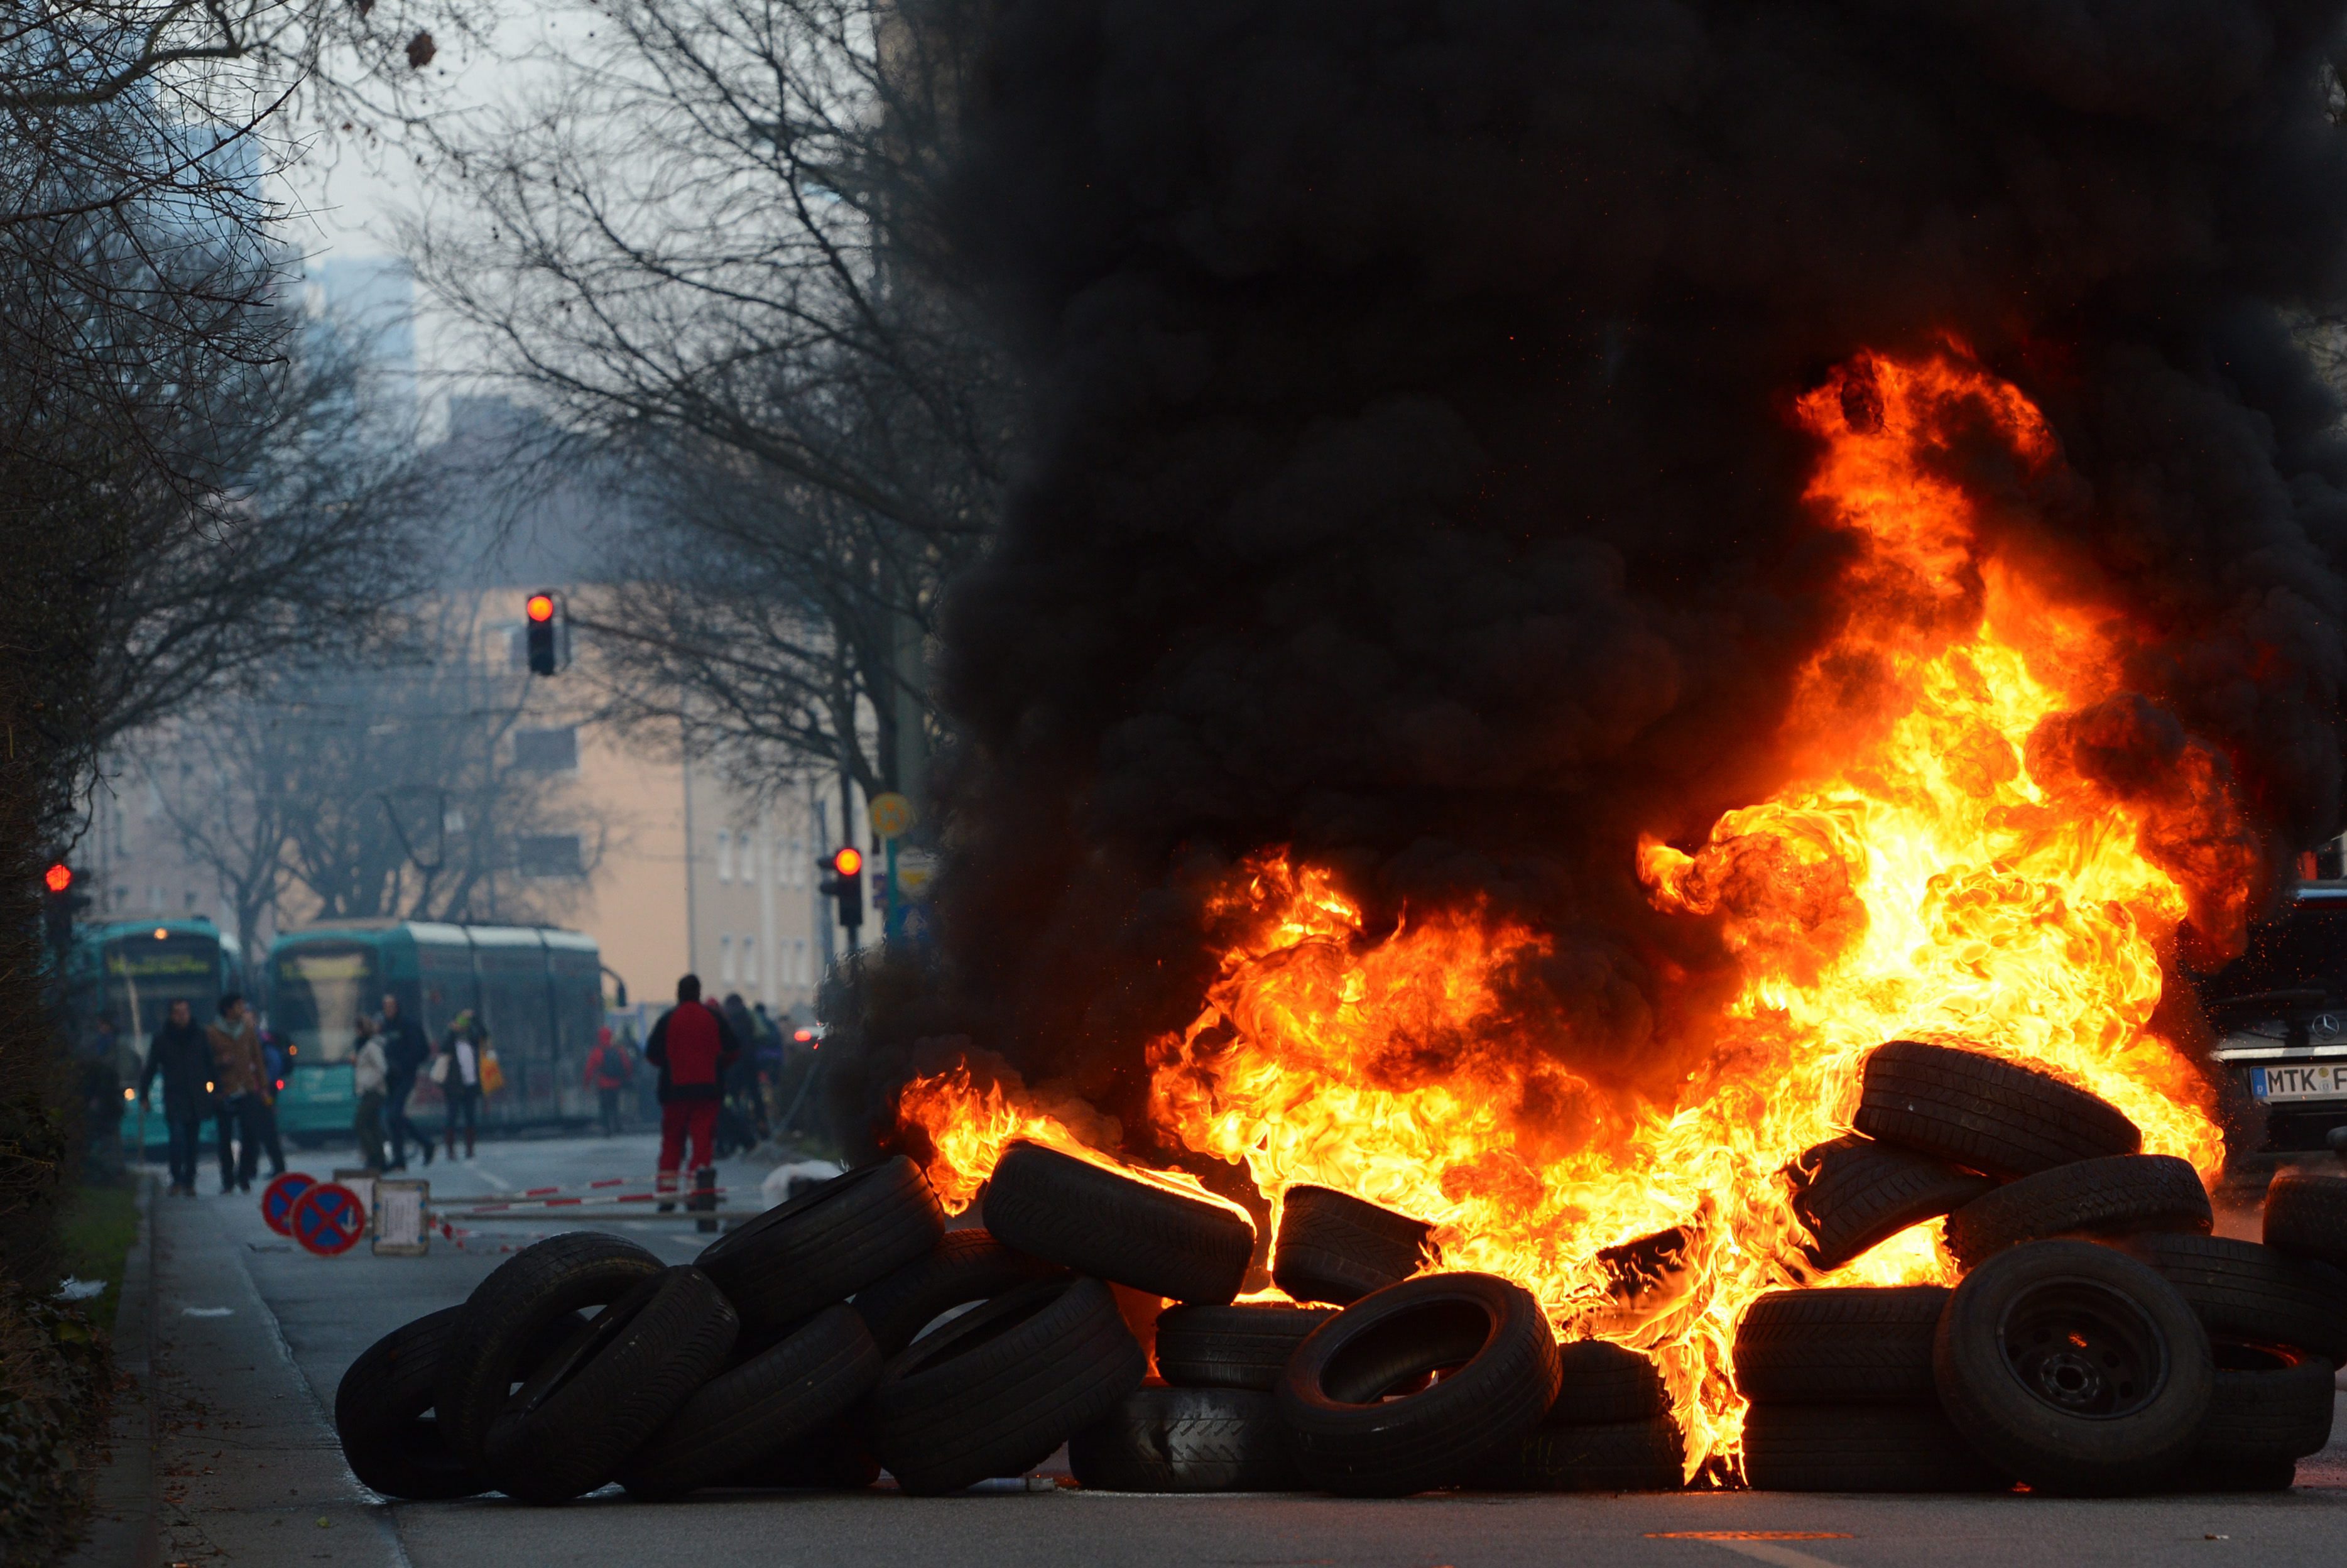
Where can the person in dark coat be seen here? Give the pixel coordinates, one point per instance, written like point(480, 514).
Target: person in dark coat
point(181, 1053)
point(406, 1050)
point(693, 1047)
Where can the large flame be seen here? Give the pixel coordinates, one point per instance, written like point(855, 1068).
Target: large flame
point(1939, 867)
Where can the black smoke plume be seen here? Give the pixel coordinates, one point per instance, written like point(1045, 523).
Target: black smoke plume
point(1414, 485)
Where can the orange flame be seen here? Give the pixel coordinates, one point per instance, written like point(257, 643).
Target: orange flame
point(1941, 866)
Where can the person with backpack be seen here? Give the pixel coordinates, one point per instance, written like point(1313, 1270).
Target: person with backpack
point(693, 1047)
point(406, 1050)
point(609, 1068)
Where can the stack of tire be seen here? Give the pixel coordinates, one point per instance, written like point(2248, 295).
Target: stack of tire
point(2100, 1342)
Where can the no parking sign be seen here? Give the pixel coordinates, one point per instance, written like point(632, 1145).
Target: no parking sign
point(278, 1198)
point(328, 1219)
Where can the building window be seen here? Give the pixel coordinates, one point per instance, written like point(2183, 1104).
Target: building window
point(724, 855)
point(550, 854)
point(551, 751)
point(725, 959)
point(800, 974)
point(799, 863)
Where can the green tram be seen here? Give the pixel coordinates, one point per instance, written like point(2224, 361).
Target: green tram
point(121, 979)
point(538, 990)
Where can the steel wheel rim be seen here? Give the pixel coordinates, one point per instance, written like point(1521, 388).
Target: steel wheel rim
point(2084, 1349)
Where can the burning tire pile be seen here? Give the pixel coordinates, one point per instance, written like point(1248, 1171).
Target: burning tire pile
point(2099, 1340)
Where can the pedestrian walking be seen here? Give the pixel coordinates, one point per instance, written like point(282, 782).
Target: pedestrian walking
point(457, 1071)
point(609, 1068)
point(275, 1063)
point(239, 1072)
point(404, 1053)
point(370, 1074)
point(182, 1058)
point(692, 1046)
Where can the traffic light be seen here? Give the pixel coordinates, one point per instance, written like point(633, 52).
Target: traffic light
point(845, 883)
point(545, 611)
point(60, 902)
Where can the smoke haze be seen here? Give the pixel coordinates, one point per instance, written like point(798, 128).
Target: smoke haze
point(1414, 481)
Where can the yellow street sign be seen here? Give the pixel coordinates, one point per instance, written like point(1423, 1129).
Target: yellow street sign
point(892, 814)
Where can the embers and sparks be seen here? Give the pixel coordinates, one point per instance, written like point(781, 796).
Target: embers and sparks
point(1943, 866)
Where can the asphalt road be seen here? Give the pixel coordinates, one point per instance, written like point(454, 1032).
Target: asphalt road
point(253, 1336)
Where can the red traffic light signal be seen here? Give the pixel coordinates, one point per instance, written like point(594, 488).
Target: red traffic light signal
point(58, 877)
point(845, 883)
point(545, 655)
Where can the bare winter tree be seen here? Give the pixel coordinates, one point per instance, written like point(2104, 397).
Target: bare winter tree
point(695, 249)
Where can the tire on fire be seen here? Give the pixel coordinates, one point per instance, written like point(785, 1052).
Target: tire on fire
point(575, 1423)
point(742, 1418)
point(1601, 1384)
point(1984, 1112)
point(994, 1391)
point(1854, 1193)
point(1839, 1346)
point(2073, 1368)
point(1498, 1358)
point(1333, 1248)
point(2115, 1195)
point(823, 1245)
point(1117, 1226)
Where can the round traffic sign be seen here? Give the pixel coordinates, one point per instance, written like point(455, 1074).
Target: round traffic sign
point(329, 1219)
point(892, 814)
point(278, 1198)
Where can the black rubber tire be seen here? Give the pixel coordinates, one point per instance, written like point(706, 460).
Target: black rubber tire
point(1601, 1384)
point(968, 1266)
point(1855, 1194)
point(740, 1419)
point(509, 1310)
point(2248, 1292)
point(997, 1389)
point(1186, 1439)
point(2306, 1216)
point(1861, 1447)
point(822, 1246)
point(1116, 1226)
point(2012, 1309)
point(582, 1417)
point(1499, 1382)
point(383, 1405)
point(2115, 1195)
point(1839, 1346)
point(1243, 1346)
point(1984, 1112)
point(1648, 1455)
point(2271, 1407)
point(1333, 1248)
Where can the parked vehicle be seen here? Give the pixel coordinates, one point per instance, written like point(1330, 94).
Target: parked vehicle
point(2280, 1015)
point(538, 990)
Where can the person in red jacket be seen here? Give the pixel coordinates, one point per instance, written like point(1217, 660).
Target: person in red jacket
point(692, 1046)
point(608, 1069)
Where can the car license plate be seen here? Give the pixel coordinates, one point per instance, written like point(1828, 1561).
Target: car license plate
point(2300, 1081)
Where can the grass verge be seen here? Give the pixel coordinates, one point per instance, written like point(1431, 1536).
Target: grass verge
point(99, 1229)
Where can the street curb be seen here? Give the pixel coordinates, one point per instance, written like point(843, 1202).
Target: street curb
point(125, 1530)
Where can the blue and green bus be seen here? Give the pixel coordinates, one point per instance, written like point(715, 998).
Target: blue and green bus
point(538, 990)
point(121, 977)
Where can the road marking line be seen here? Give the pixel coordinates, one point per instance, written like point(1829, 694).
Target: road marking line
point(1769, 1551)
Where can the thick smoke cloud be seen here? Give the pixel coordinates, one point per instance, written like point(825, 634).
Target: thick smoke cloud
point(1415, 485)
